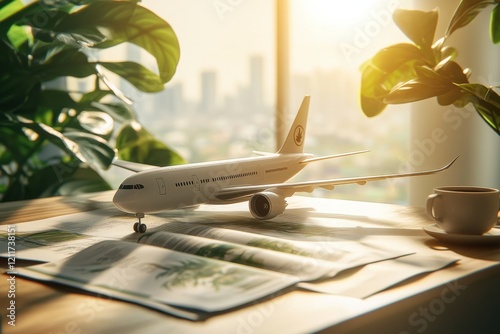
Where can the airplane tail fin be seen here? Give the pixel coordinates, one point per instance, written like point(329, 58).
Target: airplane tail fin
point(294, 142)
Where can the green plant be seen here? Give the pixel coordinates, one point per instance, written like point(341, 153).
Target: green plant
point(53, 140)
point(406, 72)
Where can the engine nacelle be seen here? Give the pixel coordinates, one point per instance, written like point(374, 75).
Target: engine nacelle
point(267, 205)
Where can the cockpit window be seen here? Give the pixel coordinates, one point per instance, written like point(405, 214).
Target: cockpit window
point(131, 186)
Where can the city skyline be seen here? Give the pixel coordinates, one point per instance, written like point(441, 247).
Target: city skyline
point(235, 127)
point(211, 108)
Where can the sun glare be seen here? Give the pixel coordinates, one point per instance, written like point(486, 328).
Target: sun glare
point(345, 14)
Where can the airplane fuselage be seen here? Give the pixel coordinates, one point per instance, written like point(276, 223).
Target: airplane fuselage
point(260, 180)
point(184, 186)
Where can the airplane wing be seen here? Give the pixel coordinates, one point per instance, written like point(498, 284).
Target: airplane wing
point(132, 166)
point(288, 189)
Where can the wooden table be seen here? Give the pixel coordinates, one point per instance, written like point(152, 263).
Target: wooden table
point(463, 298)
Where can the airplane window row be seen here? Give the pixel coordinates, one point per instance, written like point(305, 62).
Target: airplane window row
point(185, 183)
point(236, 176)
point(276, 170)
point(131, 186)
point(215, 179)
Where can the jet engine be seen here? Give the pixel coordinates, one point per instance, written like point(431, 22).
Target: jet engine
point(267, 205)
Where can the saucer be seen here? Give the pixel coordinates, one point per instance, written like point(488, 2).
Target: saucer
point(489, 238)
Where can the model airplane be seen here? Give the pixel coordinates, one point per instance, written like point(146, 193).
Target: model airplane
point(260, 179)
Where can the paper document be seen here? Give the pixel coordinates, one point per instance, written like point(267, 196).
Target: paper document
point(379, 276)
point(198, 263)
point(144, 273)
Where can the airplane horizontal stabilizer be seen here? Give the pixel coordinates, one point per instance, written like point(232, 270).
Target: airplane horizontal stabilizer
point(308, 160)
point(262, 153)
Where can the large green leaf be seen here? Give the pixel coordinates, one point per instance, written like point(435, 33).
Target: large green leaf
point(122, 22)
point(95, 150)
point(393, 57)
point(418, 26)
point(142, 78)
point(466, 11)
point(64, 179)
point(9, 58)
point(451, 70)
point(20, 91)
point(5, 3)
point(58, 99)
point(136, 144)
point(372, 91)
point(371, 107)
point(84, 180)
point(17, 144)
point(418, 89)
point(119, 111)
point(43, 132)
point(486, 102)
point(67, 62)
point(10, 12)
point(489, 115)
point(16, 82)
point(388, 68)
point(16, 35)
point(96, 122)
point(481, 92)
point(86, 2)
point(89, 148)
point(495, 24)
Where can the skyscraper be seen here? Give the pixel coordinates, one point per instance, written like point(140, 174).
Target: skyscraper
point(208, 91)
point(256, 81)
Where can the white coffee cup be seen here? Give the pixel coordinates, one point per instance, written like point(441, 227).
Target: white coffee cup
point(464, 209)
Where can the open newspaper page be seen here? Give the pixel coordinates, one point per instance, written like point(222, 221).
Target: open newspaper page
point(345, 240)
point(49, 244)
point(305, 268)
point(149, 275)
point(338, 255)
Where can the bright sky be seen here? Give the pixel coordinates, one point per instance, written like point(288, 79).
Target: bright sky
point(215, 35)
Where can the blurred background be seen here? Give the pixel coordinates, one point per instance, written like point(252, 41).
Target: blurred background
point(223, 100)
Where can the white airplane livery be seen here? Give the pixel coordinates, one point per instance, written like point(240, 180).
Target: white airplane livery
point(261, 180)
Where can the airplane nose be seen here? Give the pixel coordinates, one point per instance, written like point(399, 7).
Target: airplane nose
point(117, 199)
point(122, 201)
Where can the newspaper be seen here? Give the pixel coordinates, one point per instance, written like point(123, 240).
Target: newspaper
point(177, 283)
point(230, 251)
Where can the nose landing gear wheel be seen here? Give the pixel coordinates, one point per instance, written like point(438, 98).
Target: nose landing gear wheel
point(140, 227)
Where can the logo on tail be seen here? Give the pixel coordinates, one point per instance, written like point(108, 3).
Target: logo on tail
point(298, 135)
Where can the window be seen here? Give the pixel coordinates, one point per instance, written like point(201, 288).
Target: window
point(329, 41)
point(221, 102)
point(276, 170)
point(131, 186)
point(225, 97)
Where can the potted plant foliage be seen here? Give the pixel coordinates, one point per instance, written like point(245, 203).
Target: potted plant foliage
point(427, 68)
point(52, 140)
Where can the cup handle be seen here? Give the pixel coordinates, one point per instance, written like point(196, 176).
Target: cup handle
point(430, 207)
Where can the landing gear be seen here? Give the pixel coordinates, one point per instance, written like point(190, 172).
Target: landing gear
point(140, 227)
